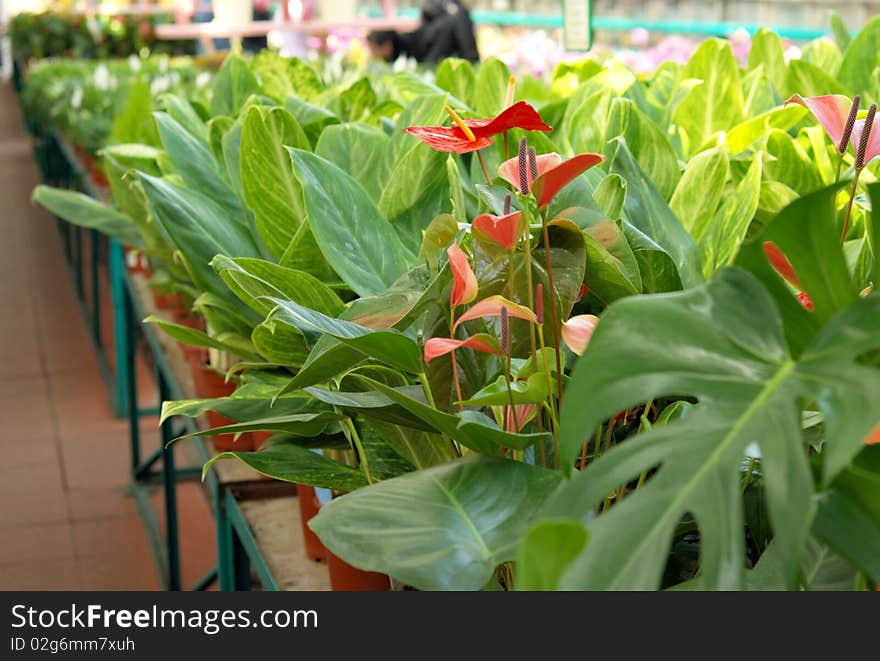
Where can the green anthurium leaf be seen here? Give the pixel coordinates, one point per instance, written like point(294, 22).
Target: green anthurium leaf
point(725, 232)
point(647, 143)
point(457, 77)
point(440, 233)
point(610, 195)
point(200, 229)
point(809, 80)
point(750, 390)
point(217, 128)
point(823, 53)
point(742, 136)
point(470, 428)
point(791, 164)
point(289, 462)
point(716, 104)
point(824, 570)
point(357, 100)
point(358, 150)
point(372, 404)
point(86, 211)
point(297, 424)
point(438, 528)
point(184, 113)
point(841, 34)
point(490, 87)
point(699, 191)
point(646, 210)
point(280, 343)
point(767, 52)
point(759, 94)
point(195, 337)
point(232, 86)
point(269, 186)
point(860, 59)
point(411, 179)
point(312, 118)
point(230, 154)
point(532, 390)
point(850, 529)
point(545, 552)
point(253, 280)
point(360, 245)
point(242, 405)
point(389, 346)
point(381, 457)
point(194, 162)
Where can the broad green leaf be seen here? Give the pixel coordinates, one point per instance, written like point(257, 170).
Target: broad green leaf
point(610, 195)
point(86, 211)
point(749, 388)
point(823, 53)
point(823, 570)
point(457, 77)
point(809, 80)
point(759, 94)
point(649, 213)
point(445, 528)
point(767, 52)
point(532, 390)
point(716, 104)
point(791, 164)
point(389, 346)
point(841, 33)
point(357, 149)
point(411, 179)
point(279, 342)
point(297, 424)
point(491, 87)
point(545, 552)
point(861, 57)
point(360, 245)
point(699, 190)
point(646, 142)
point(357, 100)
point(253, 280)
point(246, 403)
point(744, 135)
point(313, 119)
point(232, 86)
point(196, 164)
point(288, 462)
point(195, 337)
point(269, 186)
point(720, 241)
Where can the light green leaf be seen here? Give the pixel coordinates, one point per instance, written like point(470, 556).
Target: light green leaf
point(545, 552)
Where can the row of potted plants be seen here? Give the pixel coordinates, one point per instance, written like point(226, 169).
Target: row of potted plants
point(627, 340)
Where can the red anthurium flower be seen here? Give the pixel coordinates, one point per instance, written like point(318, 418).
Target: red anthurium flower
point(454, 139)
point(522, 414)
point(783, 267)
point(577, 331)
point(503, 230)
point(832, 111)
point(553, 173)
point(464, 281)
point(873, 437)
point(491, 307)
point(440, 346)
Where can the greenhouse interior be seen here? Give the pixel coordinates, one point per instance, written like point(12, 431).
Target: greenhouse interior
point(500, 295)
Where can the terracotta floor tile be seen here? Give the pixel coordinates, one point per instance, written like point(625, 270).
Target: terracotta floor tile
point(36, 490)
point(19, 451)
point(54, 574)
point(36, 543)
point(90, 503)
point(118, 572)
point(112, 536)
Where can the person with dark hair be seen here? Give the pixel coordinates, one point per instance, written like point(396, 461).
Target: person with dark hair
point(446, 30)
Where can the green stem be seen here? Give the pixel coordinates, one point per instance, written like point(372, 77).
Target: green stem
point(529, 281)
point(553, 305)
point(485, 169)
point(454, 361)
point(554, 415)
point(839, 167)
point(849, 206)
point(511, 411)
point(510, 274)
point(356, 439)
point(429, 397)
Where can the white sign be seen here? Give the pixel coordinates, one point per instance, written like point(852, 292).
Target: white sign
point(577, 18)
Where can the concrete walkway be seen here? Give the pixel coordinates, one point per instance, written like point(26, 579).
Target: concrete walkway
point(65, 519)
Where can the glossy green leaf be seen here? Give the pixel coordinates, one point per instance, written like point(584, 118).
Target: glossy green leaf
point(444, 528)
point(288, 462)
point(357, 149)
point(861, 58)
point(750, 389)
point(269, 187)
point(699, 191)
point(232, 86)
point(767, 52)
point(360, 245)
point(490, 87)
point(457, 77)
point(545, 552)
point(86, 211)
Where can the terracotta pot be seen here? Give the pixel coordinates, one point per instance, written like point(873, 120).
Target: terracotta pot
point(137, 262)
point(345, 578)
point(167, 301)
point(308, 507)
point(210, 385)
point(260, 437)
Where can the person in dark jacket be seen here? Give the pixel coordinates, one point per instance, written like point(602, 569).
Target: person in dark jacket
point(446, 30)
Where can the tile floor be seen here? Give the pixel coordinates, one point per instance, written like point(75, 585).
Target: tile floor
point(66, 521)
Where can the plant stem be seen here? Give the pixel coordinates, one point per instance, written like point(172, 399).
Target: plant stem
point(849, 206)
point(839, 166)
point(454, 362)
point(511, 411)
point(356, 439)
point(510, 274)
point(485, 169)
point(553, 305)
point(553, 412)
point(429, 396)
point(529, 281)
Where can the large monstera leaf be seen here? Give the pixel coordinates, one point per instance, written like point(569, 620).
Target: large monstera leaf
point(444, 528)
point(722, 343)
